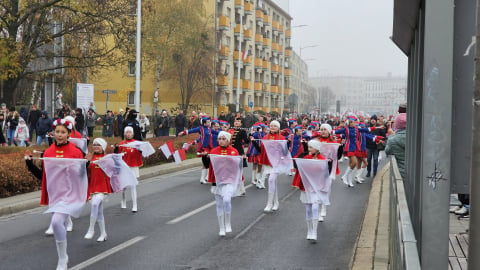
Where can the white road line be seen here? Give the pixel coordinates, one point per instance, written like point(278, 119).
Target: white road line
point(107, 253)
point(196, 211)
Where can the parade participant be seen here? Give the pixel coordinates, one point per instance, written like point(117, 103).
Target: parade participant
point(133, 158)
point(295, 141)
point(311, 201)
point(60, 196)
point(352, 148)
point(272, 201)
point(75, 133)
point(215, 126)
point(98, 188)
point(290, 130)
point(326, 137)
point(253, 152)
point(239, 139)
point(131, 121)
point(205, 144)
point(363, 155)
point(222, 189)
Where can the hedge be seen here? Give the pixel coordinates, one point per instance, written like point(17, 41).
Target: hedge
point(16, 179)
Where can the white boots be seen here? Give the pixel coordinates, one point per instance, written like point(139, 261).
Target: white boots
point(68, 225)
point(358, 176)
point(275, 202)
point(254, 177)
point(49, 231)
point(312, 230)
point(270, 199)
point(91, 230)
point(62, 255)
point(228, 224)
point(133, 193)
point(347, 177)
point(261, 180)
point(221, 224)
point(323, 213)
point(203, 177)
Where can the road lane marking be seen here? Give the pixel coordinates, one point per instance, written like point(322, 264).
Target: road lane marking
point(107, 253)
point(244, 231)
point(196, 211)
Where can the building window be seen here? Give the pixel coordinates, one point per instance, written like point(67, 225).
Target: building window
point(131, 98)
point(131, 68)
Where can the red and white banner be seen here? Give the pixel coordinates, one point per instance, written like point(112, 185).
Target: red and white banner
point(145, 147)
point(278, 155)
point(315, 179)
point(67, 185)
point(121, 176)
point(179, 156)
point(227, 169)
point(167, 149)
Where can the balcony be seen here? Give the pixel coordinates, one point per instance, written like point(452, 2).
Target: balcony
point(275, 89)
point(246, 85)
point(258, 86)
point(288, 52)
point(258, 62)
point(275, 68)
point(265, 65)
point(266, 42)
point(222, 80)
point(275, 25)
point(259, 39)
point(223, 53)
point(280, 28)
point(267, 19)
point(238, 3)
point(280, 48)
point(288, 33)
point(248, 8)
point(266, 87)
point(286, 91)
point(259, 15)
point(288, 72)
point(274, 46)
point(247, 61)
point(223, 23)
point(248, 34)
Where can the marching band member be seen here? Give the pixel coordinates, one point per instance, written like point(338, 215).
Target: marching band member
point(253, 153)
point(272, 201)
point(239, 139)
point(62, 198)
point(205, 144)
point(98, 188)
point(352, 148)
point(311, 202)
point(224, 191)
point(133, 158)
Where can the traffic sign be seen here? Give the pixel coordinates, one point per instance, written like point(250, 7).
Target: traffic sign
point(250, 104)
point(109, 91)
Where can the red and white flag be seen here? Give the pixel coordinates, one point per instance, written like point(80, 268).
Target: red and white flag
point(315, 179)
point(278, 155)
point(186, 146)
point(179, 156)
point(145, 147)
point(67, 185)
point(121, 176)
point(167, 149)
point(244, 55)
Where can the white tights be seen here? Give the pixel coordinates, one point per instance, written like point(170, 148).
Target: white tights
point(97, 206)
point(224, 204)
point(311, 211)
point(59, 225)
point(272, 182)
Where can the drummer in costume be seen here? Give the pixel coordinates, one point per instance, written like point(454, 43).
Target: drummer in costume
point(272, 200)
point(62, 148)
point(224, 192)
point(98, 189)
point(311, 207)
point(253, 152)
point(205, 144)
point(239, 139)
point(133, 158)
point(352, 148)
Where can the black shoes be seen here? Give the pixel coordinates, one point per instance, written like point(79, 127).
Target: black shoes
point(368, 174)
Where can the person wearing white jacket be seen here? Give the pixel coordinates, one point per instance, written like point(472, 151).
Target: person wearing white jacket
point(21, 133)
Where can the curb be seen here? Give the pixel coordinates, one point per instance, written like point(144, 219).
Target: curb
point(31, 200)
point(365, 247)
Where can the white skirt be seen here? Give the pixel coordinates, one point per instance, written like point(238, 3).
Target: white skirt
point(320, 198)
point(224, 190)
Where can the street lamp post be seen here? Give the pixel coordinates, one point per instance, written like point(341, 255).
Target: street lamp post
point(138, 56)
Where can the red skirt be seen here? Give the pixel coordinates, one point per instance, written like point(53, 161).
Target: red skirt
point(356, 153)
point(254, 159)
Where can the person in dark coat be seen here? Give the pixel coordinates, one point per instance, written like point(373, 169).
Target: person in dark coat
point(44, 126)
point(131, 121)
point(79, 120)
point(32, 120)
point(180, 122)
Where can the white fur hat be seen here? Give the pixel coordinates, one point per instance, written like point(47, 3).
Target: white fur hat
point(128, 128)
point(275, 123)
point(327, 127)
point(102, 143)
point(225, 134)
point(315, 144)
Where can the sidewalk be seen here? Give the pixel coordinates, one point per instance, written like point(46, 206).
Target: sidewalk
point(372, 248)
point(31, 200)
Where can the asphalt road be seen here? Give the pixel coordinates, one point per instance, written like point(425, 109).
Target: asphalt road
point(176, 228)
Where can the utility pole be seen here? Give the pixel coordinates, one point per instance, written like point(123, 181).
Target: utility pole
point(240, 56)
point(474, 233)
point(138, 63)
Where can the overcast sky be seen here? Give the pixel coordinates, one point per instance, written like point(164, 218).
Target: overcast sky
point(353, 37)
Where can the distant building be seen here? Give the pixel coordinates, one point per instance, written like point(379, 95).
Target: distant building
point(379, 94)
